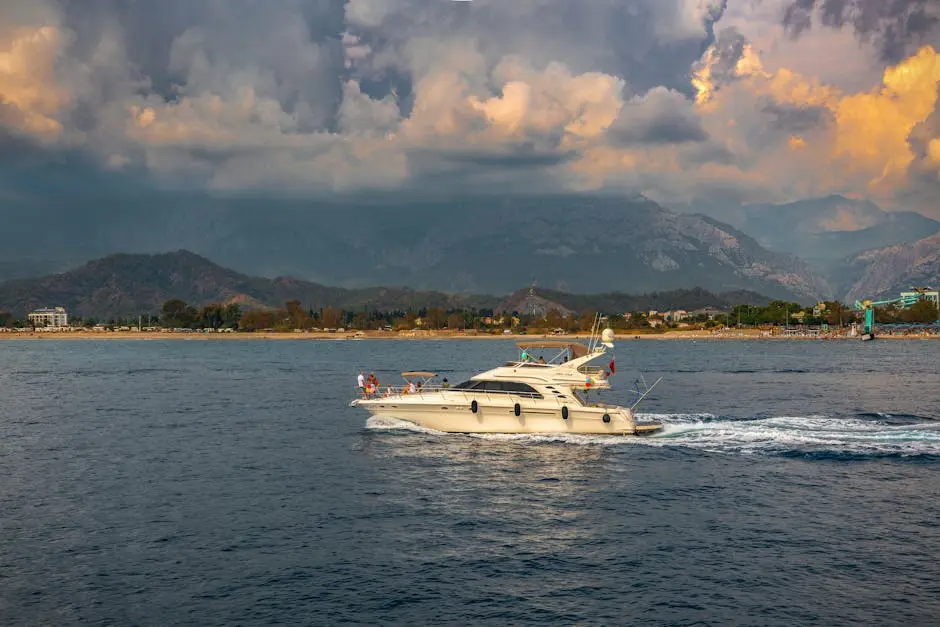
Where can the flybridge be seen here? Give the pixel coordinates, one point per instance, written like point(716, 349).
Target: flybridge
point(568, 350)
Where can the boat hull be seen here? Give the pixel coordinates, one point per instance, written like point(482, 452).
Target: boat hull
point(456, 415)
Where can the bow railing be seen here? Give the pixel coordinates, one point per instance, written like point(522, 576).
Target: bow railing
point(394, 391)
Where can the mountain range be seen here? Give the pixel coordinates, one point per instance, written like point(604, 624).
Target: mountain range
point(818, 248)
point(487, 244)
point(841, 238)
point(887, 271)
point(826, 230)
point(125, 285)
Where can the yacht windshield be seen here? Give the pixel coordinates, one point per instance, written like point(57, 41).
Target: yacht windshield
point(499, 387)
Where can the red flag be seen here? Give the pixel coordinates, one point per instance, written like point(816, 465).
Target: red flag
point(613, 367)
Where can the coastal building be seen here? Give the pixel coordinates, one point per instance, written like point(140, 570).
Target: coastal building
point(708, 311)
point(676, 315)
point(49, 317)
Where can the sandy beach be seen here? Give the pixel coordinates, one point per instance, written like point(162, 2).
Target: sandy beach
point(736, 334)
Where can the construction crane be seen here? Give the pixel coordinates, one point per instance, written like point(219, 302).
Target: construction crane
point(868, 306)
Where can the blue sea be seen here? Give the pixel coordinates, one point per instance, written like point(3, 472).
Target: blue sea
point(229, 483)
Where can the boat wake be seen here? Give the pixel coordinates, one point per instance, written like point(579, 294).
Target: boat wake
point(865, 436)
point(394, 424)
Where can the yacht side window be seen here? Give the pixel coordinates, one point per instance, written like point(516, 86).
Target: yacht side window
point(512, 387)
point(504, 387)
point(521, 388)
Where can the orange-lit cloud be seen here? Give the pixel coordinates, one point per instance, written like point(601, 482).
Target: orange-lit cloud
point(29, 89)
point(868, 144)
point(864, 147)
point(873, 128)
point(748, 120)
point(553, 101)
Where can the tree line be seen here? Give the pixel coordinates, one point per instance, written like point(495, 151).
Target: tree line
point(177, 314)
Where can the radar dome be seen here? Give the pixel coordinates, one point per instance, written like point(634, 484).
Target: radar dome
point(607, 337)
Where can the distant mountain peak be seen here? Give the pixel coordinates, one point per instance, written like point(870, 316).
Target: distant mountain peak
point(181, 256)
point(828, 231)
point(887, 271)
point(528, 302)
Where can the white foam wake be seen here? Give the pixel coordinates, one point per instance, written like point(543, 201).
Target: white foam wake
point(776, 435)
point(378, 423)
point(802, 434)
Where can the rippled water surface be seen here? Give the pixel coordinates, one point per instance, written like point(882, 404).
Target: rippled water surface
point(228, 482)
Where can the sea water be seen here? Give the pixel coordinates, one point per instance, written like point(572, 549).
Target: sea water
point(228, 482)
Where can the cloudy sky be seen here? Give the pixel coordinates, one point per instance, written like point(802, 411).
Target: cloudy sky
point(681, 100)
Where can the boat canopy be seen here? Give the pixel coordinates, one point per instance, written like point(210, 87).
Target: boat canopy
point(577, 349)
point(422, 374)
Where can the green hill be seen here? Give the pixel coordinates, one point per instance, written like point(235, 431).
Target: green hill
point(127, 285)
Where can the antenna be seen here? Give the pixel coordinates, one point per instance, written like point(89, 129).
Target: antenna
point(595, 331)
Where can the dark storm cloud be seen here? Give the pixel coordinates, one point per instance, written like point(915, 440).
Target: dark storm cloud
point(28, 167)
point(518, 159)
point(17, 150)
point(727, 49)
point(647, 42)
point(292, 47)
point(896, 27)
point(796, 119)
point(659, 117)
point(707, 152)
point(151, 28)
point(662, 129)
point(632, 41)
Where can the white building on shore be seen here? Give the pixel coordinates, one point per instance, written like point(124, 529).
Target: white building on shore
point(49, 317)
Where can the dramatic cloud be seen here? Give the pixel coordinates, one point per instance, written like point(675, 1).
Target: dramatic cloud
point(859, 142)
point(660, 116)
point(676, 99)
point(896, 27)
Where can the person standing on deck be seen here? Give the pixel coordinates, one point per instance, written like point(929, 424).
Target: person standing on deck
point(362, 384)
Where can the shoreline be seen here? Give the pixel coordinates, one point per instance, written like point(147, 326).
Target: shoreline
point(749, 334)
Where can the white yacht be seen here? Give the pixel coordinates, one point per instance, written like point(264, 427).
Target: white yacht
point(522, 396)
